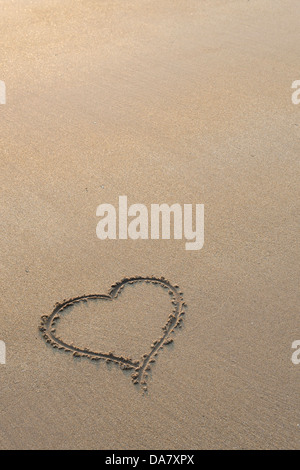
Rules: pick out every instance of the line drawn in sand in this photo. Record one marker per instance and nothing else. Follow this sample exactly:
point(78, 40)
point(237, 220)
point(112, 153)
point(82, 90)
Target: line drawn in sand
point(140, 367)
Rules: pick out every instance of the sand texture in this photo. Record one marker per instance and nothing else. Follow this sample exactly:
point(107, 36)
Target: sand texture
point(174, 101)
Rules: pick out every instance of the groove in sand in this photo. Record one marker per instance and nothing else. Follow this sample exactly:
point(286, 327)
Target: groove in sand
point(141, 366)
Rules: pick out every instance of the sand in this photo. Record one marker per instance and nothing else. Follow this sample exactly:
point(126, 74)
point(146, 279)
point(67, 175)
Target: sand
point(165, 102)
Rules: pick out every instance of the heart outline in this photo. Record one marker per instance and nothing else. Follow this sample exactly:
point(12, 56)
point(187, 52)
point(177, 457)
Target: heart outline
point(174, 320)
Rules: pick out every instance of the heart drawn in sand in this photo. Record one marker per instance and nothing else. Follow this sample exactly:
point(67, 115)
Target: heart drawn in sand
point(142, 366)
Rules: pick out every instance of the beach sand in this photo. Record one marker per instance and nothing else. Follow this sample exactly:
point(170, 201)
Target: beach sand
point(165, 102)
